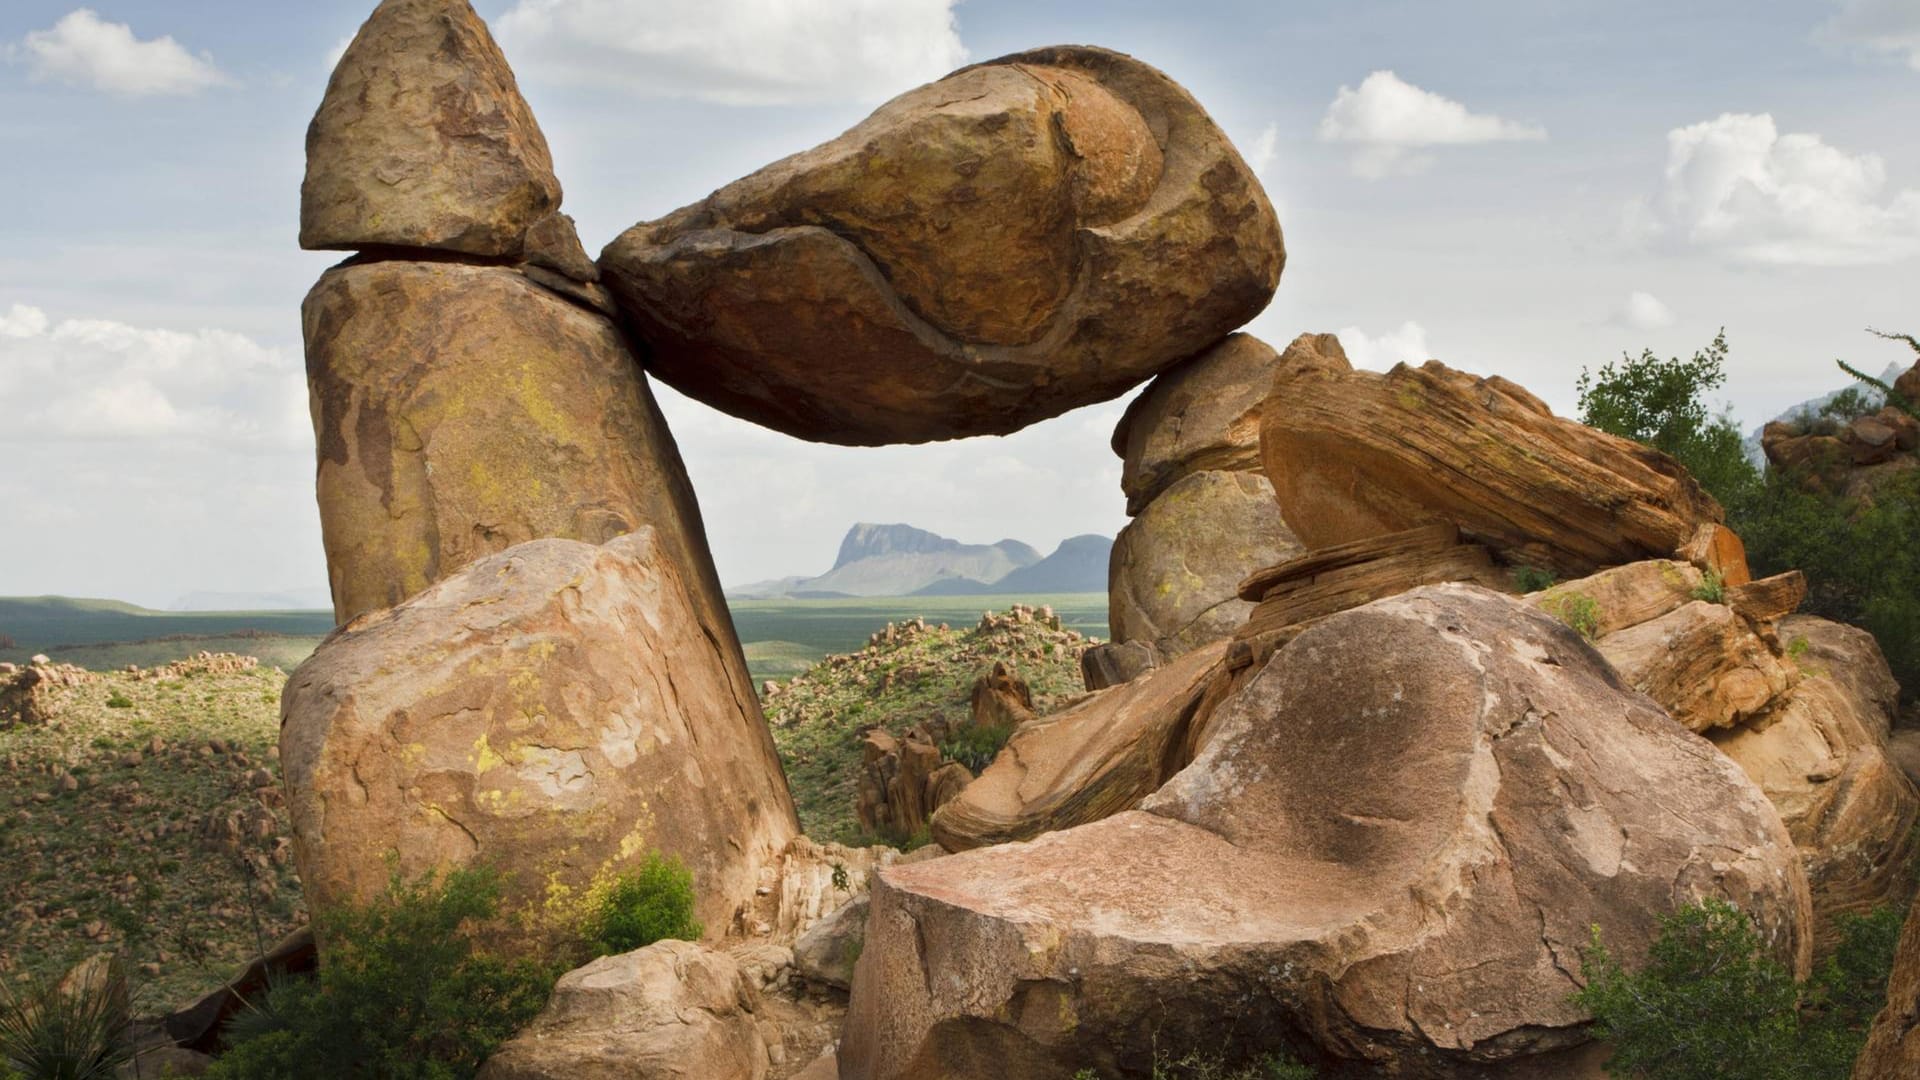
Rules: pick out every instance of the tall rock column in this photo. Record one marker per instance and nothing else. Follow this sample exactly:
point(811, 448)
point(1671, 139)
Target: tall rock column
point(1203, 511)
point(470, 393)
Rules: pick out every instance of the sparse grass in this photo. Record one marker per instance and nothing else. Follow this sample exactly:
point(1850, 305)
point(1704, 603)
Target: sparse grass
point(117, 863)
point(1712, 589)
point(975, 746)
point(1580, 612)
point(1197, 1066)
point(818, 717)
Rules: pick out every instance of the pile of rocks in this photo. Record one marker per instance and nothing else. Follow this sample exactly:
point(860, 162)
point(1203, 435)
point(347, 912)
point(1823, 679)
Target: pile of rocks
point(35, 693)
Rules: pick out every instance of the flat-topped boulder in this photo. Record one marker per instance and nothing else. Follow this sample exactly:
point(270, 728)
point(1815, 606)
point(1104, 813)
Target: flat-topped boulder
point(423, 141)
point(1020, 238)
point(557, 710)
point(1390, 849)
point(1353, 454)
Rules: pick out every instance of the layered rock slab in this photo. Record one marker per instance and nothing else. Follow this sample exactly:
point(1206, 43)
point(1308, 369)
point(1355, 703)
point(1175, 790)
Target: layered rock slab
point(1354, 454)
point(423, 141)
point(1389, 851)
point(1022, 237)
point(556, 710)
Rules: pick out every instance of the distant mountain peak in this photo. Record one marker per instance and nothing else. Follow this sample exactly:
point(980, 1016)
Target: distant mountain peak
point(866, 540)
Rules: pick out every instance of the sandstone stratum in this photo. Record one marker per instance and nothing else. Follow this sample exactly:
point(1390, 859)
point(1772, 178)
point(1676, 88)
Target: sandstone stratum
point(1339, 790)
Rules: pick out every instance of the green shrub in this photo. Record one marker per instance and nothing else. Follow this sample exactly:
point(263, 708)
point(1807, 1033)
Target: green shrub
point(976, 745)
point(405, 992)
point(1712, 1004)
point(1712, 589)
point(118, 700)
point(640, 907)
point(1195, 1066)
point(81, 1034)
point(1580, 612)
point(1532, 579)
point(1662, 403)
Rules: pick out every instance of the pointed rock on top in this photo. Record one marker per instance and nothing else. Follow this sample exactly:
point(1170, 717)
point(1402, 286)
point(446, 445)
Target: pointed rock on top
point(424, 141)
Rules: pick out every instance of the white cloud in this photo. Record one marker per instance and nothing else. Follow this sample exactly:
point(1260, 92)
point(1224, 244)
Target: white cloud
point(90, 380)
point(1264, 148)
point(1389, 120)
point(1734, 184)
point(1891, 26)
point(1643, 311)
point(84, 49)
point(1407, 345)
point(737, 52)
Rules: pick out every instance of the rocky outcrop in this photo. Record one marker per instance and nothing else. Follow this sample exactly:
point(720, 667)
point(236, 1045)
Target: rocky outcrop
point(1703, 663)
point(556, 710)
point(35, 693)
point(674, 1010)
point(423, 141)
point(1112, 663)
point(1022, 237)
point(1176, 568)
point(826, 953)
point(904, 780)
point(1203, 512)
point(1355, 454)
point(1821, 757)
point(1392, 846)
point(1001, 699)
point(1085, 762)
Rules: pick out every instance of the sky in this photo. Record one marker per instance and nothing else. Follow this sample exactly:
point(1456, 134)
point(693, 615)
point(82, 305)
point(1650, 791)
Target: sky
point(1515, 188)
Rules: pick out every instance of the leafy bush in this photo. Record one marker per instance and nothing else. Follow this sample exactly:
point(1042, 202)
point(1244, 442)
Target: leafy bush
point(80, 1033)
point(1204, 1067)
point(640, 907)
point(405, 992)
point(1580, 612)
point(976, 745)
point(1661, 403)
point(1712, 589)
point(1712, 1004)
point(118, 700)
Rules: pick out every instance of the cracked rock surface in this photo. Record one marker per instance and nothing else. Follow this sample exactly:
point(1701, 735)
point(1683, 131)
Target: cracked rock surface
point(1386, 856)
point(555, 710)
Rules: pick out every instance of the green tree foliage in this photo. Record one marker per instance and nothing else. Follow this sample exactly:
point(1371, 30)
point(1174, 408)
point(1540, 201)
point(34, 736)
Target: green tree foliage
point(640, 907)
point(1712, 1004)
point(1663, 403)
point(405, 992)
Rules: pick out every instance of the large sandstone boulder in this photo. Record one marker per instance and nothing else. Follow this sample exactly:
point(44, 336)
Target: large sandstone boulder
point(423, 141)
point(1203, 414)
point(1175, 570)
point(1353, 454)
point(1821, 758)
point(1703, 663)
point(459, 410)
point(674, 1010)
point(557, 710)
point(1392, 846)
point(1022, 237)
point(1093, 759)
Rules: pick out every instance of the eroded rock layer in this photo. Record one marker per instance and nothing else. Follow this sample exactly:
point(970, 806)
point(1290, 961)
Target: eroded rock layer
point(1022, 237)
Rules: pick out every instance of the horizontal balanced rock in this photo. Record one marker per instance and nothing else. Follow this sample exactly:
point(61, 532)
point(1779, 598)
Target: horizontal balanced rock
point(1391, 849)
point(557, 711)
point(423, 141)
point(1353, 454)
point(1020, 238)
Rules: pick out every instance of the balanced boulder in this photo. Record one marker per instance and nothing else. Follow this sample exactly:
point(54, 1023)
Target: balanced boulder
point(1354, 454)
point(423, 141)
point(1201, 415)
point(1392, 847)
point(557, 711)
point(1022, 237)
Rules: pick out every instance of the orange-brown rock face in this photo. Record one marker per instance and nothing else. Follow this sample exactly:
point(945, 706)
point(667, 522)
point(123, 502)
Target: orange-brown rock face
point(1020, 238)
point(1893, 1047)
point(1354, 454)
point(424, 141)
point(555, 710)
point(1375, 853)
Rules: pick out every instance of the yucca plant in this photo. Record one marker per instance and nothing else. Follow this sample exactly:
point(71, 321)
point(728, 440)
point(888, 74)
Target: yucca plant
point(75, 1031)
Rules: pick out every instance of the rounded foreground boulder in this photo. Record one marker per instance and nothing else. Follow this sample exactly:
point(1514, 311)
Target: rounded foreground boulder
point(1385, 857)
point(557, 711)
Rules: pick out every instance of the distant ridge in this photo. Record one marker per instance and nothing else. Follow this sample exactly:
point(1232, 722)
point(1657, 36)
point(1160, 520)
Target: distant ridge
point(901, 560)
